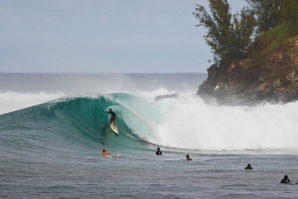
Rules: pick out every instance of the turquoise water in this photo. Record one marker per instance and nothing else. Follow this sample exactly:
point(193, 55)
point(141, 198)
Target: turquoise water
point(52, 150)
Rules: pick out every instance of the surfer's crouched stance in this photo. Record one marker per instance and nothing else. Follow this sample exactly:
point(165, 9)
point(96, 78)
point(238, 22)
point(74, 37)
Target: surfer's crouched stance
point(113, 117)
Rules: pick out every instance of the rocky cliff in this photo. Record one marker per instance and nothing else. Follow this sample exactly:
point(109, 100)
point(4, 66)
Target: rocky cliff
point(271, 77)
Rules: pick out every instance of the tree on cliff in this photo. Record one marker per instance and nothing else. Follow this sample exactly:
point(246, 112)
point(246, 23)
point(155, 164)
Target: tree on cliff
point(268, 13)
point(228, 35)
point(271, 13)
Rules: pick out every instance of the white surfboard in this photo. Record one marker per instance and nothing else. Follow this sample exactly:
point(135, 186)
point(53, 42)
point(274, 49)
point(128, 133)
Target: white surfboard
point(114, 128)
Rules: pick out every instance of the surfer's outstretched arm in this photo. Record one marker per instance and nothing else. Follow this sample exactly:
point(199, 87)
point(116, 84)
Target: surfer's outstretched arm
point(105, 153)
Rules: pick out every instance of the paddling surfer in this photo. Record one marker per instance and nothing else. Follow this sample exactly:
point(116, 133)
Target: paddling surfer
point(105, 153)
point(285, 180)
point(187, 158)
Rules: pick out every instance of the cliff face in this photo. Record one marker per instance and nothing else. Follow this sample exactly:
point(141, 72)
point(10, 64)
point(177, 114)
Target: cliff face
point(272, 78)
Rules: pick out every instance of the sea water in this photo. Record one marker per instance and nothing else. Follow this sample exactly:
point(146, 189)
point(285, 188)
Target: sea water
point(53, 129)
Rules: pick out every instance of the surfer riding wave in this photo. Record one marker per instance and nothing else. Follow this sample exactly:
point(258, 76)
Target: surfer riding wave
point(113, 117)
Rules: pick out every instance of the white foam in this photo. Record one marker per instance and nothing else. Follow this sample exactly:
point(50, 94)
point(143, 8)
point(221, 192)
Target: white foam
point(191, 124)
point(12, 101)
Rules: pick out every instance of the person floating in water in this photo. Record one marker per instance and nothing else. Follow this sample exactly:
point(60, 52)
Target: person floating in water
point(285, 180)
point(248, 166)
point(188, 158)
point(105, 153)
point(158, 152)
point(113, 117)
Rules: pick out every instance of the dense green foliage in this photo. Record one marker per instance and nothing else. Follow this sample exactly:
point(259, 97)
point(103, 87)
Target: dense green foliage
point(289, 15)
point(268, 42)
point(268, 13)
point(271, 13)
point(228, 35)
point(277, 23)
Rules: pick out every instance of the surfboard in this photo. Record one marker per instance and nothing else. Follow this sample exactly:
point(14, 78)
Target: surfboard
point(114, 128)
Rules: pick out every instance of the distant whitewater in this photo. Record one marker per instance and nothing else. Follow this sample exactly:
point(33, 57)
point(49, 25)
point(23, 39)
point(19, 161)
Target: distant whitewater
point(19, 91)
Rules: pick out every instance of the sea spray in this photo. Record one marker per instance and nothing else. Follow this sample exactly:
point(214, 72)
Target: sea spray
point(192, 124)
point(138, 115)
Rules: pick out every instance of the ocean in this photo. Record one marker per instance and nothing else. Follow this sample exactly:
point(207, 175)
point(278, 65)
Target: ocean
point(53, 128)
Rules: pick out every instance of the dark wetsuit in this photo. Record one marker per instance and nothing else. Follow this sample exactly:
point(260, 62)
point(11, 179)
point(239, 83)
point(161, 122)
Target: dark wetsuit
point(248, 167)
point(113, 116)
point(285, 181)
point(158, 153)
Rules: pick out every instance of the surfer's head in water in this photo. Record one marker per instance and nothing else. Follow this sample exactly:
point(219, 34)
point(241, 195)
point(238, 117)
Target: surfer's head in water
point(188, 158)
point(248, 166)
point(158, 152)
point(285, 180)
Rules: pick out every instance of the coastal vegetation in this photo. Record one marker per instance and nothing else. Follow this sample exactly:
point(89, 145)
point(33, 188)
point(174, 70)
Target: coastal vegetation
point(227, 35)
point(255, 51)
point(235, 36)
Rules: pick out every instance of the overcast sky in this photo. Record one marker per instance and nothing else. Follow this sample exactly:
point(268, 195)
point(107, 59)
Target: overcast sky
point(95, 36)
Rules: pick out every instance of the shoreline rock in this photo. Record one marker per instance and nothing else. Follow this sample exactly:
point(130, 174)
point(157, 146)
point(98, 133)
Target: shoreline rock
point(250, 82)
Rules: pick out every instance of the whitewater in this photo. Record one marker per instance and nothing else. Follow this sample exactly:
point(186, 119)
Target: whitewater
point(53, 128)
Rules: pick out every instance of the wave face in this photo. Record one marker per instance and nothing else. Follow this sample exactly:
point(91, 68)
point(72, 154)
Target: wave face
point(82, 121)
point(186, 123)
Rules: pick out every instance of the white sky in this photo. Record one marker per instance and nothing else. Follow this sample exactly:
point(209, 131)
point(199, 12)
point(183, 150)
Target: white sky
point(130, 36)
